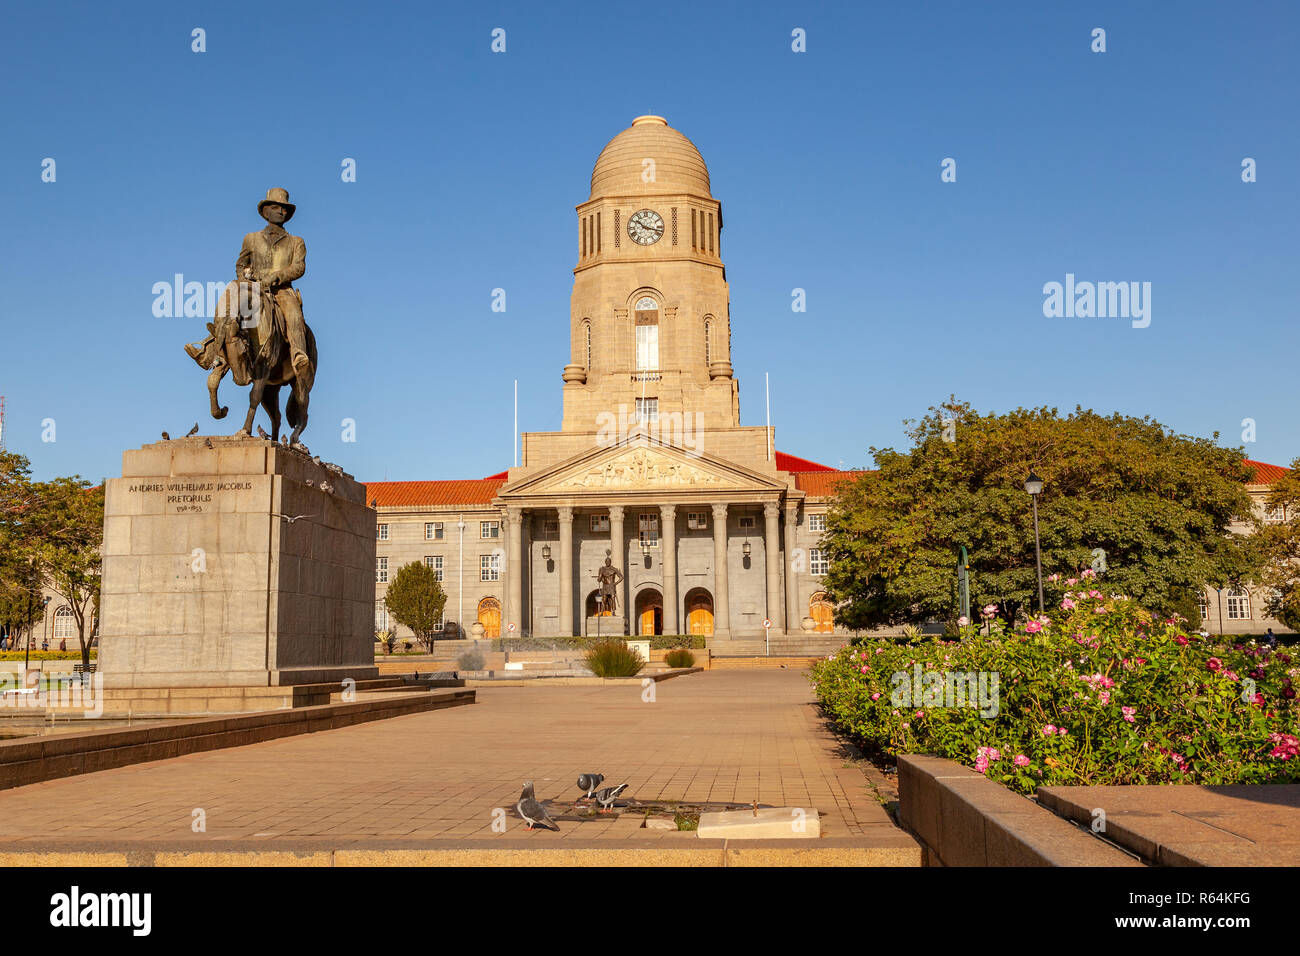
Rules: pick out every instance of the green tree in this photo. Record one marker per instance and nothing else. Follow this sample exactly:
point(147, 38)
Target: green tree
point(1279, 546)
point(69, 548)
point(416, 599)
point(1155, 503)
point(20, 576)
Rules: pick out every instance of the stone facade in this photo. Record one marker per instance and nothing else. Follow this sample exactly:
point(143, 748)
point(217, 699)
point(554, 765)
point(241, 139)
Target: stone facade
point(227, 563)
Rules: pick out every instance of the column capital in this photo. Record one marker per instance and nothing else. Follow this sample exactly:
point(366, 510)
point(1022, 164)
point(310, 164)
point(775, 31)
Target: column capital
point(514, 513)
point(771, 509)
point(720, 511)
point(668, 512)
point(616, 512)
point(791, 513)
point(566, 515)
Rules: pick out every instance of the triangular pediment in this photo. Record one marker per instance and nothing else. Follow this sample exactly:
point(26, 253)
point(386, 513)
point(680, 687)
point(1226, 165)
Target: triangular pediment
point(642, 466)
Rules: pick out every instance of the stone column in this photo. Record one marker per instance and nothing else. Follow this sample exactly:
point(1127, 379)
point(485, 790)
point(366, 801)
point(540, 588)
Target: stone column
point(771, 546)
point(514, 567)
point(564, 565)
point(721, 598)
point(503, 569)
point(668, 544)
point(792, 609)
point(618, 554)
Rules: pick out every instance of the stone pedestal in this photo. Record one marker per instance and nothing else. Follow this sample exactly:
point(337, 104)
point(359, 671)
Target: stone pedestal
point(611, 625)
point(206, 583)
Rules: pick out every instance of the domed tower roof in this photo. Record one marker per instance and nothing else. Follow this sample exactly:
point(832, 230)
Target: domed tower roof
point(679, 167)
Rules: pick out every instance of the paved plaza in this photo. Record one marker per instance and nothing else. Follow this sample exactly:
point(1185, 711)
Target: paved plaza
point(716, 737)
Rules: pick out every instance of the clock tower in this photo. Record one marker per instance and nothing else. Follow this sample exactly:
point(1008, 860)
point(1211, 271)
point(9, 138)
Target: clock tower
point(650, 322)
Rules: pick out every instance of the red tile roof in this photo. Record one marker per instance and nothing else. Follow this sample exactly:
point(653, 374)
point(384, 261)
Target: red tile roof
point(1265, 474)
point(398, 494)
point(821, 484)
point(786, 462)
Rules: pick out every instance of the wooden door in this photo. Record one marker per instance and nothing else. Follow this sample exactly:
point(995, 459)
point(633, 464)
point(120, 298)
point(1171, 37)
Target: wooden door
point(489, 615)
point(822, 613)
point(699, 615)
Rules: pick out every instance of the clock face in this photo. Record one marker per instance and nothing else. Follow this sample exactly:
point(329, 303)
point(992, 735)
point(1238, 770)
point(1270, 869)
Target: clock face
point(645, 227)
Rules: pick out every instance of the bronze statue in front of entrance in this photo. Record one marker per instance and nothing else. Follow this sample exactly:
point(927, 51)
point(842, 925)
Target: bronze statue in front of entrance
point(609, 578)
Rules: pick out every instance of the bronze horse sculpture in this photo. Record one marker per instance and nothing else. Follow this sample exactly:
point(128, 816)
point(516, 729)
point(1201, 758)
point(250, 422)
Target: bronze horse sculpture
point(248, 340)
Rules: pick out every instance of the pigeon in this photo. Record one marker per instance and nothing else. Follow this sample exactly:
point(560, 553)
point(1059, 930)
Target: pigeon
point(261, 432)
point(285, 441)
point(193, 431)
point(166, 437)
point(308, 482)
point(326, 487)
point(207, 442)
point(294, 518)
point(533, 812)
point(315, 460)
point(607, 797)
point(588, 783)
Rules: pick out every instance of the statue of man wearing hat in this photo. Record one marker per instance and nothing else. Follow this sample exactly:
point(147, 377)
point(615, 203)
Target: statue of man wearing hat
point(273, 258)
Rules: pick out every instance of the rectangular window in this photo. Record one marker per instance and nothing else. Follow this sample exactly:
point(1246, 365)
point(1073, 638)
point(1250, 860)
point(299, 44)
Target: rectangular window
point(435, 561)
point(693, 243)
point(489, 566)
point(600, 523)
point(489, 529)
point(1274, 514)
point(648, 528)
point(1238, 606)
point(433, 531)
point(381, 616)
point(1203, 605)
point(381, 532)
point(647, 347)
point(647, 410)
point(710, 233)
point(697, 520)
point(597, 232)
point(381, 570)
point(817, 522)
point(817, 563)
point(745, 522)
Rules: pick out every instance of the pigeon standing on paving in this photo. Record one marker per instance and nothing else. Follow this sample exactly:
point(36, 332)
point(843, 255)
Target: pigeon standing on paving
point(261, 432)
point(193, 431)
point(588, 782)
point(607, 797)
point(533, 812)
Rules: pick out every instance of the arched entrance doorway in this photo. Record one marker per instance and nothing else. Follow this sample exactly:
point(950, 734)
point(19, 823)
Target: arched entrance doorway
point(650, 612)
point(699, 612)
point(593, 606)
point(822, 612)
point(489, 615)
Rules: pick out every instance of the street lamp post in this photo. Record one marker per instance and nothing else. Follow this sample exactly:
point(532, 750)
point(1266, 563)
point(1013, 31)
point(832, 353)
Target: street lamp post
point(1034, 485)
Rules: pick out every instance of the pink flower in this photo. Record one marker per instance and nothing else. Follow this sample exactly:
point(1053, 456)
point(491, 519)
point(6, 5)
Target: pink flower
point(1214, 664)
point(981, 763)
point(864, 669)
point(1095, 595)
point(1259, 700)
point(906, 725)
point(1054, 577)
point(1021, 760)
point(1181, 640)
point(1072, 581)
point(1048, 730)
point(1033, 627)
point(1104, 696)
point(919, 713)
point(1067, 605)
point(1128, 713)
point(1088, 573)
point(1062, 732)
point(990, 610)
point(875, 696)
point(963, 621)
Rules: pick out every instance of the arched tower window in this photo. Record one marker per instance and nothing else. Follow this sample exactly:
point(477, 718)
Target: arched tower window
point(586, 341)
point(647, 334)
point(708, 340)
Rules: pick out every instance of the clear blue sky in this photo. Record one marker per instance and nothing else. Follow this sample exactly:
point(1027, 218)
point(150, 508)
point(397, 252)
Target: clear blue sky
point(1122, 166)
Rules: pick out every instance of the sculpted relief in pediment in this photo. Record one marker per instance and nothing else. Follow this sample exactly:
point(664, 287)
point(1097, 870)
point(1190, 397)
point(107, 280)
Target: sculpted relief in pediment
point(641, 468)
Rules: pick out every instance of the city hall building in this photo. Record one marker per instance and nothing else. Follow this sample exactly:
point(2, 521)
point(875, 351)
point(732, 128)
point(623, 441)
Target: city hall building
point(712, 531)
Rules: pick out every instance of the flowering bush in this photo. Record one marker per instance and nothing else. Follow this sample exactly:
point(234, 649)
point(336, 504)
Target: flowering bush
point(1098, 692)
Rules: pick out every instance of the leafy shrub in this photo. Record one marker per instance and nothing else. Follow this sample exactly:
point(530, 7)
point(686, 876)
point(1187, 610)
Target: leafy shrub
point(471, 660)
point(39, 655)
point(679, 658)
point(613, 659)
point(1101, 692)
